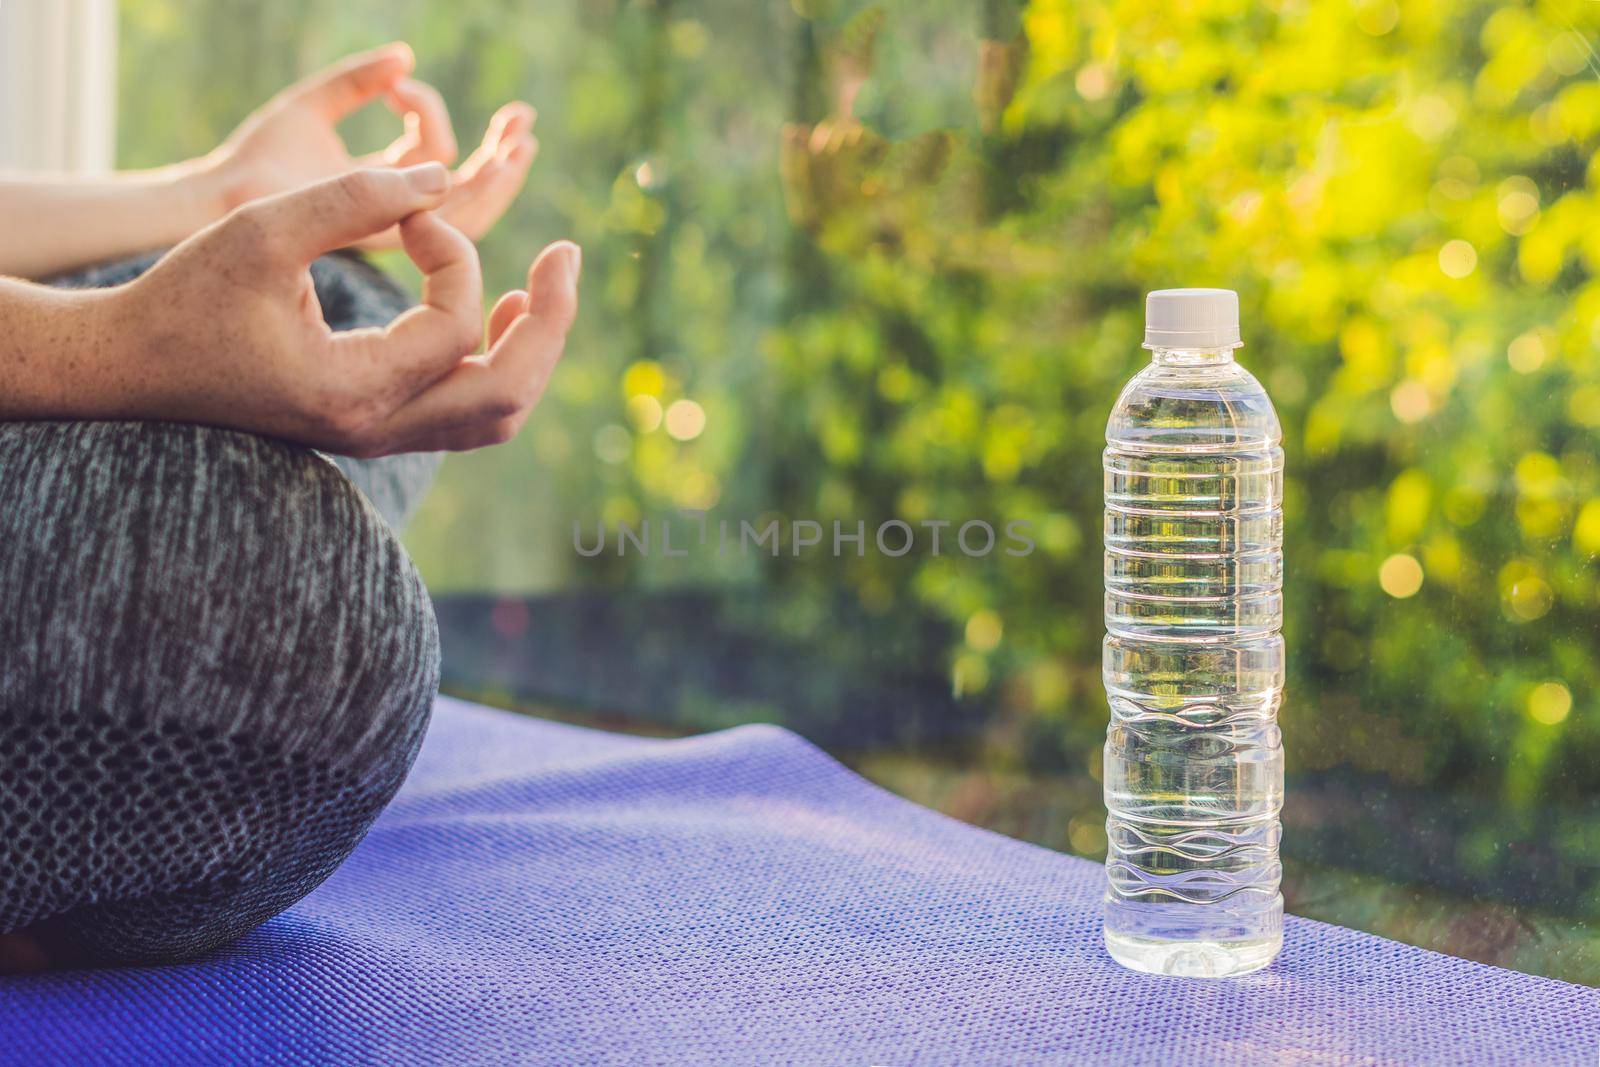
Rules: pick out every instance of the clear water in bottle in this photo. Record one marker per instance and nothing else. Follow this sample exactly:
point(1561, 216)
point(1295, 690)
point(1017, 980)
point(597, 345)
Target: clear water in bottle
point(1193, 661)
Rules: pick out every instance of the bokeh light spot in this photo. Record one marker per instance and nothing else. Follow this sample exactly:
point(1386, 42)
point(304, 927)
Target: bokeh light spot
point(1432, 117)
point(697, 489)
point(1400, 576)
point(1530, 598)
point(644, 411)
point(1093, 81)
point(685, 420)
point(1410, 401)
point(1526, 354)
point(1538, 474)
point(1517, 205)
point(1549, 703)
point(984, 631)
point(644, 378)
point(1458, 258)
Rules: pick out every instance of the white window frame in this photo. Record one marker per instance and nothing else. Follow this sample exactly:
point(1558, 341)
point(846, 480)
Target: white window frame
point(58, 85)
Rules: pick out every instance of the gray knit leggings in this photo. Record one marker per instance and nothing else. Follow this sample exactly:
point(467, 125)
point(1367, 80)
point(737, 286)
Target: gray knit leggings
point(216, 665)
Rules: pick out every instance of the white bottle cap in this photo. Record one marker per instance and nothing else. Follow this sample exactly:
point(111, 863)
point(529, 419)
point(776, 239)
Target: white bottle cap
point(1191, 318)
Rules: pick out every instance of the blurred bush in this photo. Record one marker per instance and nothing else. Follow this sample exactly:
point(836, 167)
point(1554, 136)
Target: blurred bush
point(861, 261)
point(1405, 197)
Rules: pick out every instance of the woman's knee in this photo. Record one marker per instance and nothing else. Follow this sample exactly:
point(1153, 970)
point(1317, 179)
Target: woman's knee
point(182, 570)
point(219, 626)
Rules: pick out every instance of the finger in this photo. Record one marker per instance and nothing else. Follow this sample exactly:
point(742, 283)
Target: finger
point(427, 341)
point(428, 135)
point(507, 308)
point(553, 286)
point(341, 211)
point(355, 81)
point(485, 401)
point(479, 199)
point(512, 120)
point(483, 189)
point(509, 125)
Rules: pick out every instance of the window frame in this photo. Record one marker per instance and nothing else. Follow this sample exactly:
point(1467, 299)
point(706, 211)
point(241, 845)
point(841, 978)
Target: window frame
point(58, 80)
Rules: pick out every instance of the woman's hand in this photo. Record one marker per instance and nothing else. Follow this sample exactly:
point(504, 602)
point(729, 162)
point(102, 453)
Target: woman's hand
point(52, 223)
point(293, 140)
point(226, 330)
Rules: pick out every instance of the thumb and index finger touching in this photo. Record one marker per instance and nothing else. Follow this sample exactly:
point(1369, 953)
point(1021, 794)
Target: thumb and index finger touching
point(356, 81)
point(427, 342)
point(340, 211)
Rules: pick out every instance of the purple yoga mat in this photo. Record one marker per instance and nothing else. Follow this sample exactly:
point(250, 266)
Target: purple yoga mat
point(544, 894)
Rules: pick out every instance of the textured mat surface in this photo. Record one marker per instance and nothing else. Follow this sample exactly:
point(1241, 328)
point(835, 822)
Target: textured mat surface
point(545, 894)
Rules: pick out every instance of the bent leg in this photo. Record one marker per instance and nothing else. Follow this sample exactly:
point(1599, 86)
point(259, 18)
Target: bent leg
point(353, 294)
point(217, 667)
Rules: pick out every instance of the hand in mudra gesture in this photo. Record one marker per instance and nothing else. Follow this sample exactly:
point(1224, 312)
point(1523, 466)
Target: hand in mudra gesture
point(226, 329)
point(293, 140)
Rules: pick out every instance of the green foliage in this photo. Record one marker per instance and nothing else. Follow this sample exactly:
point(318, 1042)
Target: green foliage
point(896, 252)
point(1405, 197)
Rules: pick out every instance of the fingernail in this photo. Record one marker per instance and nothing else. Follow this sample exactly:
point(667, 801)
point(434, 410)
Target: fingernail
point(428, 178)
point(574, 257)
point(403, 51)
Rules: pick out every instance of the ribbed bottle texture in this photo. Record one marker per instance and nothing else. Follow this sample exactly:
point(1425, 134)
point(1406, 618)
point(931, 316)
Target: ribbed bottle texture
point(1194, 668)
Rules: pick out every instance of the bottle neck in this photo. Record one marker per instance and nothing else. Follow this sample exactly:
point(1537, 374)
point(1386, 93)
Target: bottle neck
point(1191, 357)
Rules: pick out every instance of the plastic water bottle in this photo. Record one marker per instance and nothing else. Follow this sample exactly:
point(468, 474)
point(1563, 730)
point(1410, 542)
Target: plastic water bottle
point(1193, 660)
